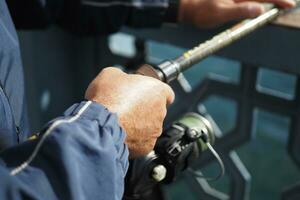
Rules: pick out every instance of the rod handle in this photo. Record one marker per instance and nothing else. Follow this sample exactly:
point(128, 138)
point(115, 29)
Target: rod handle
point(148, 70)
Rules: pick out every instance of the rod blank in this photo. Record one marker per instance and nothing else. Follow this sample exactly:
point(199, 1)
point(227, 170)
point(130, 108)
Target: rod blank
point(170, 70)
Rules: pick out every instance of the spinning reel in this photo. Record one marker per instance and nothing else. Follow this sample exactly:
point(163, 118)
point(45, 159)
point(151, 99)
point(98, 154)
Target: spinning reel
point(180, 144)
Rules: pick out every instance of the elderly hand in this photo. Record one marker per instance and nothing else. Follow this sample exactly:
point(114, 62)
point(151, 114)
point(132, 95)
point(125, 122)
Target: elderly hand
point(139, 101)
point(212, 13)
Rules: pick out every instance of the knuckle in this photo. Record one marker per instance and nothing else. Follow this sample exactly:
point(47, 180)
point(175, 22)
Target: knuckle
point(157, 131)
point(150, 146)
point(147, 148)
point(107, 69)
point(111, 70)
point(162, 114)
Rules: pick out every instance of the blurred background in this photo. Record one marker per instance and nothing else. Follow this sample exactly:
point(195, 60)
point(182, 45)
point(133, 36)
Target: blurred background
point(260, 130)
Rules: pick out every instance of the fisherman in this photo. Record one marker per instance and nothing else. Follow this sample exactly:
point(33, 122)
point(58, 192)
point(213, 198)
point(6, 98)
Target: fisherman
point(83, 154)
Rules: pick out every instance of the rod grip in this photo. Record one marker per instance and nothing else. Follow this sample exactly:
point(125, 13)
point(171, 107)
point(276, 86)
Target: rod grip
point(148, 70)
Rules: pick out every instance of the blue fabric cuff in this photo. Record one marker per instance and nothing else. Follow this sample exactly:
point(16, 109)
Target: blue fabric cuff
point(107, 121)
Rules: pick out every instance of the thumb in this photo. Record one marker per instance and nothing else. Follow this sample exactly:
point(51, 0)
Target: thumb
point(244, 10)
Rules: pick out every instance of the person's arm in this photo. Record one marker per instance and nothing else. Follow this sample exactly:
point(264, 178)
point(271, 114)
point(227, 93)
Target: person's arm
point(213, 13)
point(108, 16)
point(91, 17)
point(83, 154)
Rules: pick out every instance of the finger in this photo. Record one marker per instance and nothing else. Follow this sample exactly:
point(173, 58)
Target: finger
point(243, 10)
point(281, 3)
point(157, 132)
point(170, 95)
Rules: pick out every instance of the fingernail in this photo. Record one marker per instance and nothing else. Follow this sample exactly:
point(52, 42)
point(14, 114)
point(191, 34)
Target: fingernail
point(255, 10)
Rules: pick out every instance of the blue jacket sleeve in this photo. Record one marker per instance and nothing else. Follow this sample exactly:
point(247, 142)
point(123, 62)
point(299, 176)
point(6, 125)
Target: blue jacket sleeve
point(81, 155)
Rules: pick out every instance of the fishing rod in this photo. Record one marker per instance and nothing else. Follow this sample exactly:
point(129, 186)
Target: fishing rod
point(170, 70)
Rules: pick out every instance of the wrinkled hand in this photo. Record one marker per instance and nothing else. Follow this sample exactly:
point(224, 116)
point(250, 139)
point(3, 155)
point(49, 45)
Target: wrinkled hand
point(212, 13)
point(140, 103)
